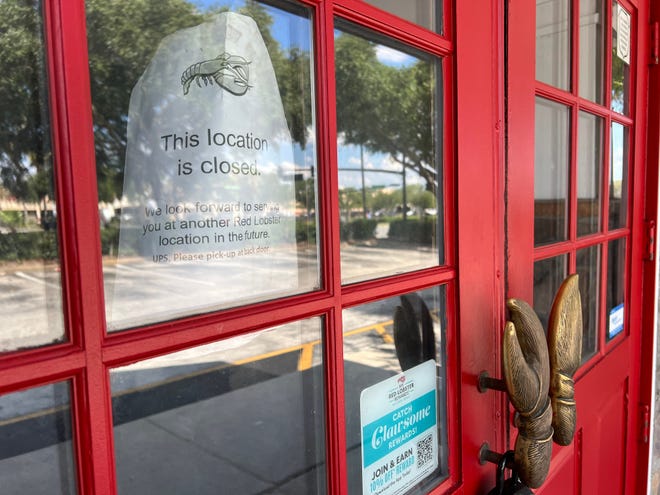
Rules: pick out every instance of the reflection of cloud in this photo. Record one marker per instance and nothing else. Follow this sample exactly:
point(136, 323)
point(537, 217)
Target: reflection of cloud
point(390, 56)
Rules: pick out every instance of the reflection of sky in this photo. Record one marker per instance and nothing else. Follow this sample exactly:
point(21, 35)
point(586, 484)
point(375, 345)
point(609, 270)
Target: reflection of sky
point(394, 58)
point(617, 151)
point(290, 31)
point(389, 56)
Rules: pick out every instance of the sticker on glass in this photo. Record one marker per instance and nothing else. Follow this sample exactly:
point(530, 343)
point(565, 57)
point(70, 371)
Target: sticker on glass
point(209, 188)
point(623, 34)
point(399, 428)
point(616, 321)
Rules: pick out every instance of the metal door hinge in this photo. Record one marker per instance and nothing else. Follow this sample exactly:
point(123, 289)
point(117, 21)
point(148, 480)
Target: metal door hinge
point(655, 43)
point(645, 423)
point(650, 240)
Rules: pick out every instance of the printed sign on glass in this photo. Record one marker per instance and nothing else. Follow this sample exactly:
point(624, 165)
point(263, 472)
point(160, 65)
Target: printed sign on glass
point(208, 173)
point(399, 427)
point(616, 321)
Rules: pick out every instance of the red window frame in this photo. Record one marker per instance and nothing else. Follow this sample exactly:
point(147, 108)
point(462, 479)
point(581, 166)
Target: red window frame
point(89, 353)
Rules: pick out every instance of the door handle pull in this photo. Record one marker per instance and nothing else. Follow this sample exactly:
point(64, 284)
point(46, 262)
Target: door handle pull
point(526, 367)
point(565, 349)
point(538, 378)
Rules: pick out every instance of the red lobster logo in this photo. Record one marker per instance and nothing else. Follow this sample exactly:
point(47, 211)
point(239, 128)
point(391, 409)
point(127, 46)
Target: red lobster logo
point(402, 380)
point(230, 72)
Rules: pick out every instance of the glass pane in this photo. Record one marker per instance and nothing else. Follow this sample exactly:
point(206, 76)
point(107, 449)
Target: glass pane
point(588, 269)
point(548, 276)
point(592, 59)
point(551, 158)
point(616, 285)
point(426, 13)
point(390, 184)
point(589, 170)
point(36, 453)
point(553, 58)
point(621, 48)
point(395, 378)
point(30, 294)
point(619, 176)
point(204, 209)
point(244, 415)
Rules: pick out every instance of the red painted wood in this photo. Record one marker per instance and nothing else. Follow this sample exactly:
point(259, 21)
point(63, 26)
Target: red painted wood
point(480, 211)
point(649, 318)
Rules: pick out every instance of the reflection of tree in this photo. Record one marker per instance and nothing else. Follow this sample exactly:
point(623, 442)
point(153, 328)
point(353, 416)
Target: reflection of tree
point(386, 109)
point(122, 37)
point(619, 82)
point(25, 157)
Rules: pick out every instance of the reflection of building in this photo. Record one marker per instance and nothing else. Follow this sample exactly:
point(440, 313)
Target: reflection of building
point(442, 159)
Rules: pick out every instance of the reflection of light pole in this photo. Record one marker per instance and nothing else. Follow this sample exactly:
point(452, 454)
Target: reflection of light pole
point(364, 192)
point(405, 196)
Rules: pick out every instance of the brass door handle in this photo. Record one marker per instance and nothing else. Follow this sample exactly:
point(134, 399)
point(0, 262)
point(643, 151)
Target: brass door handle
point(538, 377)
point(565, 349)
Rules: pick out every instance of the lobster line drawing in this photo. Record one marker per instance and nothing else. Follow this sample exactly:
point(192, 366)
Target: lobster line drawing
point(230, 72)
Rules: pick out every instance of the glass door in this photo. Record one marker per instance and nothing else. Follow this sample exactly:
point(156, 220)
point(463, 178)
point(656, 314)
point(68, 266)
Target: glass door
point(577, 92)
point(231, 244)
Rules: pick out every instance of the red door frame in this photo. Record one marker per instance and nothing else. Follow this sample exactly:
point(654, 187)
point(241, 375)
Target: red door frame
point(89, 353)
point(640, 295)
point(480, 213)
point(649, 275)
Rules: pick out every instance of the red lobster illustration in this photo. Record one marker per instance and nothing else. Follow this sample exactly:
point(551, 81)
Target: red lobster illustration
point(230, 72)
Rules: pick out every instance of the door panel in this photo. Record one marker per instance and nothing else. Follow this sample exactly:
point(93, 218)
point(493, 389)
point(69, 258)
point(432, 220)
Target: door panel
point(586, 119)
point(602, 396)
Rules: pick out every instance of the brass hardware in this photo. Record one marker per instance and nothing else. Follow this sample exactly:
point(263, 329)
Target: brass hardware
point(526, 368)
point(538, 377)
point(565, 349)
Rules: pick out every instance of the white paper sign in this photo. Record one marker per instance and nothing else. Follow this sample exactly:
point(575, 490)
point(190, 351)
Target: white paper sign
point(399, 428)
point(623, 34)
point(209, 170)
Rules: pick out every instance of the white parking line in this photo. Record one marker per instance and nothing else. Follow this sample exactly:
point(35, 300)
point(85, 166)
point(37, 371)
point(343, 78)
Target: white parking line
point(25, 276)
point(165, 275)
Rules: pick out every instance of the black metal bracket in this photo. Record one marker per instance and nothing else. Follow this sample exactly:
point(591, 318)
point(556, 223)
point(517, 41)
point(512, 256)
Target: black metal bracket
point(487, 383)
point(489, 456)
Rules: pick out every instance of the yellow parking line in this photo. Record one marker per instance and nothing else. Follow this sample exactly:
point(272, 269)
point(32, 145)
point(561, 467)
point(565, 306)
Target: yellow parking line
point(305, 361)
point(380, 328)
point(306, 355)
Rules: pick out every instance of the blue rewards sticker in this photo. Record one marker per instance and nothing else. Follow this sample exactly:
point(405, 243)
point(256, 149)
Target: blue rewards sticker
point(399, 428)
point(616, 321)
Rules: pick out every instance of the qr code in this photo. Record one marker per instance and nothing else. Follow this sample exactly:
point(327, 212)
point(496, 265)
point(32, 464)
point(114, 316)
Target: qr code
point(425, 450)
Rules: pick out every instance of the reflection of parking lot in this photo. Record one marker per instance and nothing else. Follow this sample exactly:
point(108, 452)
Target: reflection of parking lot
point(160, 401)
point(31, 304)
point(30, 295)
point(250, 407)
